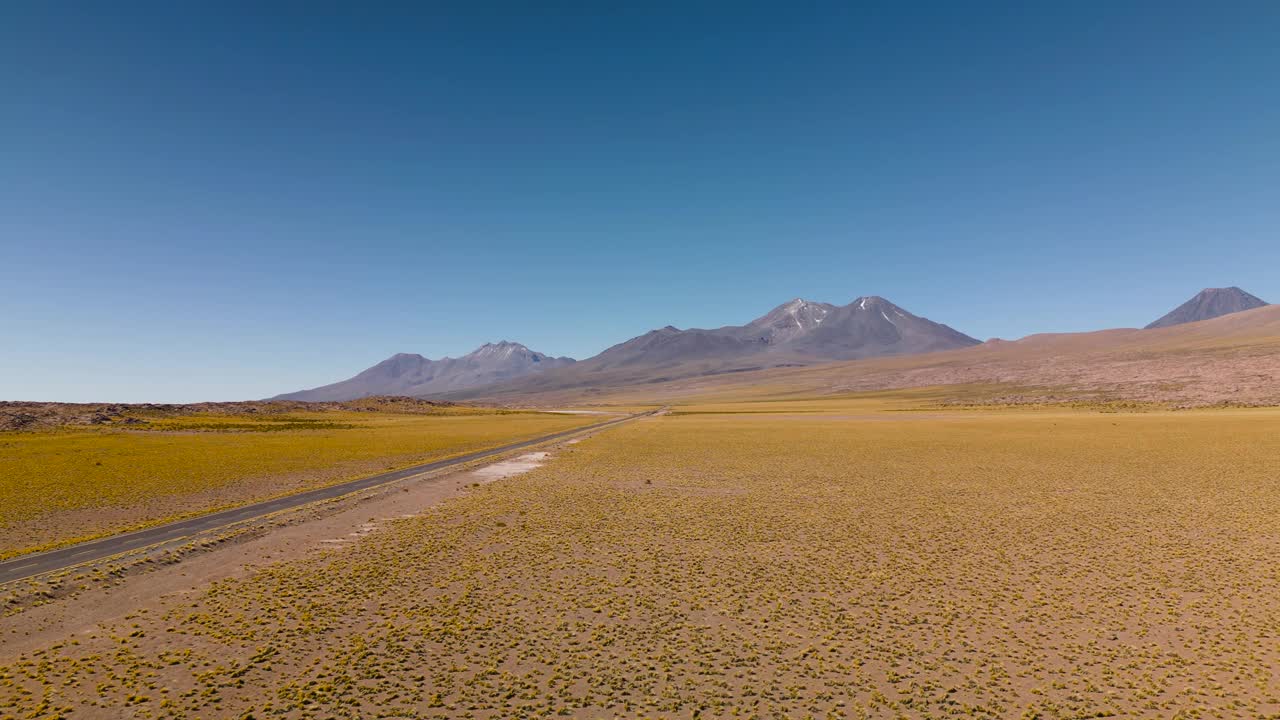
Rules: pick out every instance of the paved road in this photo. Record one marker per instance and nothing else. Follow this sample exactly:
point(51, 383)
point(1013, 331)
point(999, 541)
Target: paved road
point(26, 566)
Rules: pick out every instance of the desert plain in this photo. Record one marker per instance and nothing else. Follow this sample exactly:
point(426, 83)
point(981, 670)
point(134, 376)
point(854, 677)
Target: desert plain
point(862, 555)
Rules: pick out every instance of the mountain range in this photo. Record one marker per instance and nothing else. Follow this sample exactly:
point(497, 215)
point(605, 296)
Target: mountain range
point(800, 329)
point(416, 376)
point(798, 333)
point(1231, 359)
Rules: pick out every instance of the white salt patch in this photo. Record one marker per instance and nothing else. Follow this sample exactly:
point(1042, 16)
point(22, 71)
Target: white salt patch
point(507, 468)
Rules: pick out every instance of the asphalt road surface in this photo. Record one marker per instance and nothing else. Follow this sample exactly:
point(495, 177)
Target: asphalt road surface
point(25, 566)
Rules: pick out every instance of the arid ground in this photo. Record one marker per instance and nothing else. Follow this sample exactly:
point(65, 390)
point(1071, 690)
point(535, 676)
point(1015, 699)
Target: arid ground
point(76, 472)
point(813, 558)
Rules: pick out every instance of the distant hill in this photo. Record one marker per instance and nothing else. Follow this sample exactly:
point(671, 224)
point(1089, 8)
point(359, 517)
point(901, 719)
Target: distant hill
point(798, 332)
point(1208, 304)
point(1234, 358)
point(416, 376)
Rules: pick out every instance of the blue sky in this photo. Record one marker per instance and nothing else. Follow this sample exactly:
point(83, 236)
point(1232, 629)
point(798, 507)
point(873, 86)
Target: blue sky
point(229, 200)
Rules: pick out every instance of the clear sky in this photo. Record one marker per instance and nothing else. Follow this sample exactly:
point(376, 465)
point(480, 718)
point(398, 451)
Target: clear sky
point(227, 200)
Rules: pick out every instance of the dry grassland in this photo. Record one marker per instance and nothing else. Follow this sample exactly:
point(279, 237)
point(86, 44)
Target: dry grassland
point(64, 485)
point(829, 560)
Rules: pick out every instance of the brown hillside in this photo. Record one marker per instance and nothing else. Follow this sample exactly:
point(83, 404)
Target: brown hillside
point(1231, 359)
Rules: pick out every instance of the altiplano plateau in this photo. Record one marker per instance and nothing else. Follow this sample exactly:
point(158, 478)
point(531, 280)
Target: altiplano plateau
point(639, 361)
point(929, 535)
point(823, 558)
